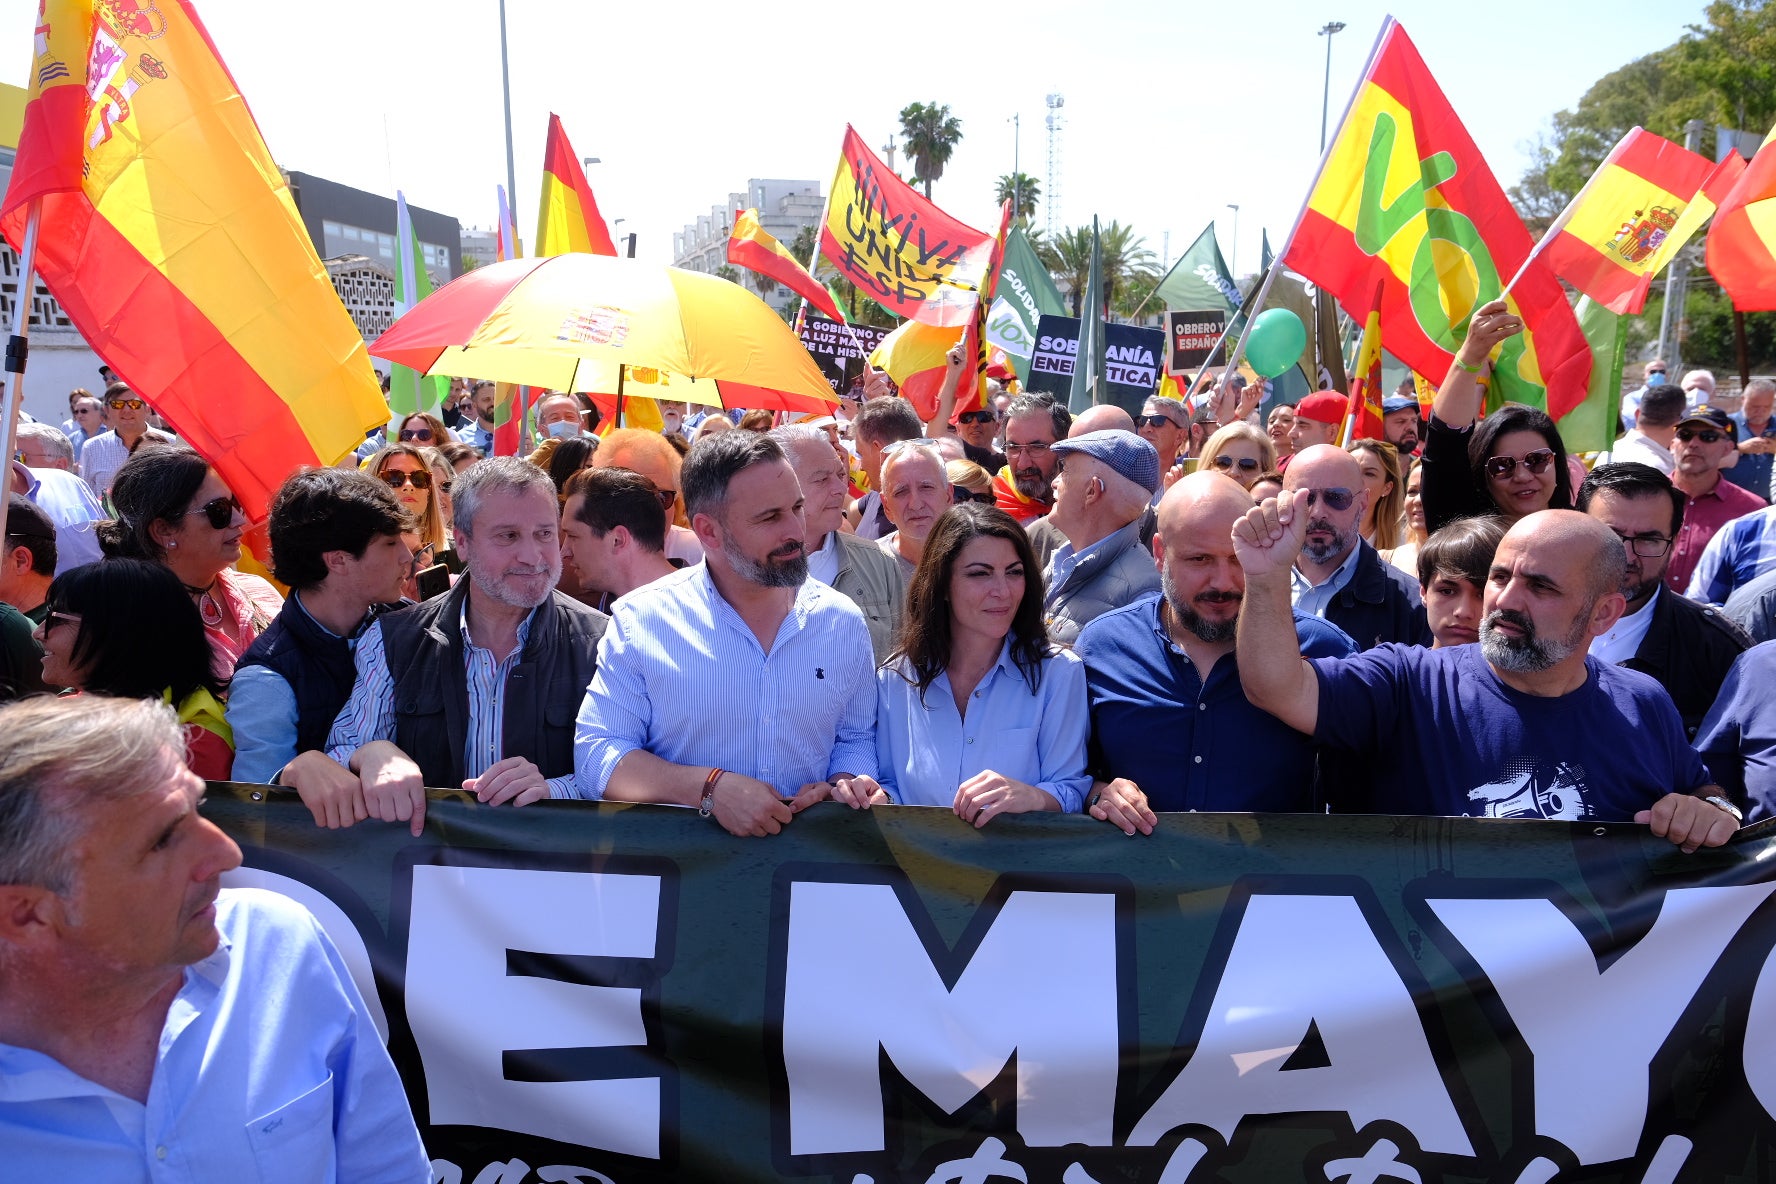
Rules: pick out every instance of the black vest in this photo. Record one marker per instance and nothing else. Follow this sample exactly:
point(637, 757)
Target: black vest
point(543, 691)
point(316, 664)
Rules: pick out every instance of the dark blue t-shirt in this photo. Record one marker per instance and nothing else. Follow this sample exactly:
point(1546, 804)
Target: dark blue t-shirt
point(1191, 746)
point(1441, 734)
point(1738, 737)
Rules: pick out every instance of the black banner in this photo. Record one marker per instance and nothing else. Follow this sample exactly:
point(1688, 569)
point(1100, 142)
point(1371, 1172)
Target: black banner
point(1133, 357)
point(580, 992)
point(834, 350)
point(1191, 337)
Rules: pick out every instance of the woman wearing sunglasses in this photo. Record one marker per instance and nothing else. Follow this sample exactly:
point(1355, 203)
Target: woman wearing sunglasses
point(424, 431)
point(172, 509)
point(1512, 463)
point(158, 649)
point(406, 470)
point(1239, 450)
point(1381, 477)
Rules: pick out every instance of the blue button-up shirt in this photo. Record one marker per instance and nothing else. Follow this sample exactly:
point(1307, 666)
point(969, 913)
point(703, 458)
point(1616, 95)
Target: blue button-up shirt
point(681, 676)
point(1312, 599)
point(1740, 551)
point(1752, 470)
point(74, 509)
point(268, 1069)
point(925, 748)
point(1190, 744)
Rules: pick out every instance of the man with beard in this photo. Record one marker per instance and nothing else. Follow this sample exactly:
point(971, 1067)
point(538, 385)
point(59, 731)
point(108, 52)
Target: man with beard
point(1339, 576)
point(1171, 728)
point(1687, 646)
point(1402, 423)
point(1524, 725)
point(737, 683)
point(1024, 488)
point(474, 689)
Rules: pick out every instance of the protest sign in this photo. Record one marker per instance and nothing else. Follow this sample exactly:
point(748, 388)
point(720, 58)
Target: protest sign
point(1025, 293)
point(1132, 361)
point(835, 348)
point(627, 993)
point(1191, 336)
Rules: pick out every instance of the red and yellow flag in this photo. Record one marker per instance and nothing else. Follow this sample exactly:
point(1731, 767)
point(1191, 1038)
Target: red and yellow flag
point(568, 218)
point(897, 247)
point(1742, 243)
point(913, 356)
point(1405, 200)
point(168, 235)
point(1623, 226)
point(1363, 419)
point(750, 247)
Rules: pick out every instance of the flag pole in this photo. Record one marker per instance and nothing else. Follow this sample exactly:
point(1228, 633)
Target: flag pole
point(18, 342)
point(814, 261)
point(506, 90)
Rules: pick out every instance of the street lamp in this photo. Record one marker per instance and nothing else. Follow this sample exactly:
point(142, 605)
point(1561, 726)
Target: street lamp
point(1326, 96)
point(1234, 264)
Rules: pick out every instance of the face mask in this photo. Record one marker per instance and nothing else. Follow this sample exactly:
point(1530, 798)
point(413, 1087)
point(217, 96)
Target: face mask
point(562, 429)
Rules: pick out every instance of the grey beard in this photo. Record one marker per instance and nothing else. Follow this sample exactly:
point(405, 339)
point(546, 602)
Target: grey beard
point(768, 573)
point(1528, 654)
point(1325, 552)
point(496, 592)
point(1034, 487)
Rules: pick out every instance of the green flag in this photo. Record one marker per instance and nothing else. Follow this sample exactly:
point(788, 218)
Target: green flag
point(1594, 424)
point(1088, 363)
point(1199, 279)
point(1025, 292)
point(1264, 255)
point(409, 391)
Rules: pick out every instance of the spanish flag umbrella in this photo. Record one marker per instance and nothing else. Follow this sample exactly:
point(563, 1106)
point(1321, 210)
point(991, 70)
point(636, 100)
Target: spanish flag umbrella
point(593, 323)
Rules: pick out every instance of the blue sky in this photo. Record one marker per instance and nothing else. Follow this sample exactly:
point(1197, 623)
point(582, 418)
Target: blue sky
point(1173, 110)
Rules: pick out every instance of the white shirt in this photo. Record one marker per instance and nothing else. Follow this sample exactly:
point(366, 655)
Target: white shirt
point(1623, 641)
point(1635, 446)
point(823, 565)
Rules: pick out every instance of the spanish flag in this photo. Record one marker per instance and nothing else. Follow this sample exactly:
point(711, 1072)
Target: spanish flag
point(1623, 226)
point(1742, 242)
point(750, 247)
point(1363, 419)
point(568, 219)
point(913, 356)
point(168, 235)
point(1405, 199)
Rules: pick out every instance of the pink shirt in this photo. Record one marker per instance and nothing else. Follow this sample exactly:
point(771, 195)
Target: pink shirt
point(1703, 517)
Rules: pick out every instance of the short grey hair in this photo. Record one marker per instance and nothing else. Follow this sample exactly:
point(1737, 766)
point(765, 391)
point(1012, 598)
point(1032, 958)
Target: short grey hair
point(496, 474)
point(1762, 386)
point(60, 760)
point(52, 439)
point(790, 435)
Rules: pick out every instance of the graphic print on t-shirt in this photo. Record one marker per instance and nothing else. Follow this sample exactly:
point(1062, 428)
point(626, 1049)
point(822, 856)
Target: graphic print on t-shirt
point(1530, 788)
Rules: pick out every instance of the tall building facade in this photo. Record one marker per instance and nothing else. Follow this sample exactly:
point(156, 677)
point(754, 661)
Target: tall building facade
point(784, 209)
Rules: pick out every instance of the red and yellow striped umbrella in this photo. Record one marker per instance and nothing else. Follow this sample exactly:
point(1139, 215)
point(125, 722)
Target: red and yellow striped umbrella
point(587, 323)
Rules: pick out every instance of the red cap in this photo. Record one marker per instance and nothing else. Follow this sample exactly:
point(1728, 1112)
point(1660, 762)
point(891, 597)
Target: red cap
point(1324, 407)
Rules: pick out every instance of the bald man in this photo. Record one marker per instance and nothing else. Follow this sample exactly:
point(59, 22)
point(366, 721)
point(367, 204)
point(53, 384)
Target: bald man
point(1045, 536)
point(1099, 418)
point(1523, 725)
point(1338, 575)
point(1171, 727)
point(654, 457)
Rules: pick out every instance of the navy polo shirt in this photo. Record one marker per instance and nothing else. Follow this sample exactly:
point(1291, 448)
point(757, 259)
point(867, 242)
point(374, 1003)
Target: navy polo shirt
point(1187, 744)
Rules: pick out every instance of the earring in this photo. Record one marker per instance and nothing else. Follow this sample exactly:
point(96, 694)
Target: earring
point(172, 543)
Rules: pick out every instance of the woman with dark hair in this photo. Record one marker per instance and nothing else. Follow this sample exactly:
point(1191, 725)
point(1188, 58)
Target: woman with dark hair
point(1513, 463)
point(157, 649)
point(172, 509)
point(562, 458)
point(975, 709)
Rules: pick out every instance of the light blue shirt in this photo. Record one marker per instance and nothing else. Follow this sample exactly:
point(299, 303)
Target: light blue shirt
point(370, 712)
point(1314, 599)
point(74, 509)
point(926, 749)
point(681, 676)
point(268, 1069)
point(263, 714)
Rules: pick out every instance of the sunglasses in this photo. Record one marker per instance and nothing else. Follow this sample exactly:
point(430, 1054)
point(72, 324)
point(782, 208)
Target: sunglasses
point(1246, 464)
point(667, 497)
point(219, 510)
point(83, 411)
point(1156, 421)
point(1337, 500)
point(1500, 468)
point(978, 417)
point(132, 404)
point(1706, 436)
point(960, 496)
point(395, 478)
point(423, 435)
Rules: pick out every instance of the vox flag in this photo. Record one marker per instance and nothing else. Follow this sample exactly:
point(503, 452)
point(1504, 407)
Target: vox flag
point(409, 390)
point(897, 247)
point(1405, 200)
point(568, 217)
point(750, 247)
point(168, 235)
point(1742, 243)
point(1023, 293)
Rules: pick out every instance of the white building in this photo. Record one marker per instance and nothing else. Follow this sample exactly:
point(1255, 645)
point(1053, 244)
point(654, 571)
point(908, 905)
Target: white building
point(784, 209)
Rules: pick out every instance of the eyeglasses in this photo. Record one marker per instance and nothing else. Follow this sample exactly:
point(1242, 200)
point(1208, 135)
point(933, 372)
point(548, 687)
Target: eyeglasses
point(961, 496)
point(83, 410)
point(219, 510)
point(1647, 546)
point(1707, 436)
point(1031, 449)
point(132, 404)
point(1156, 421)
point(1246, 464)
point(978, 417)
point(1337, 500)
point(395, 478)
point(667, 497)
point(423, 435)
point(1500, 468)
point(1653, 373)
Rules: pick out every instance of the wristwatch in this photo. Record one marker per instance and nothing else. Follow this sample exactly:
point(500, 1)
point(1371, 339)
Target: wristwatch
point(1715, 799)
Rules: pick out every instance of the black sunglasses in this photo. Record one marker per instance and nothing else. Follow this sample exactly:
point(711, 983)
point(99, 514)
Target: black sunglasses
point(1156, 421)
point(219, 510)
point(667, 497)
point(421, 434)
point(978, 417)
point(1501, 467)
point(1337, 500)
point(395, 478)
point(961, 496)
point(1246, 464)
point(1706, 435)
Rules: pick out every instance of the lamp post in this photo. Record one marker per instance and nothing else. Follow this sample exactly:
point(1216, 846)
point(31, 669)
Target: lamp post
point(506, 90)
point(1331, 27)
point(1017, 177)
point(1234, 263)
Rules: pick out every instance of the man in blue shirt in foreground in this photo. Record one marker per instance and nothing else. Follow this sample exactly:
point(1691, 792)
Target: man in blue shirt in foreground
point(1525, 724)
point(153, 1025)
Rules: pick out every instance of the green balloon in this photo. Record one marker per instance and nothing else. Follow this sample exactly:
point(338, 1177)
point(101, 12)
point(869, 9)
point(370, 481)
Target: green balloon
point(1276, 342)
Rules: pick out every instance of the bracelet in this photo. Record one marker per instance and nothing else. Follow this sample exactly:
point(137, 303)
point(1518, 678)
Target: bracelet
point(1461, 365)
point(708, 803)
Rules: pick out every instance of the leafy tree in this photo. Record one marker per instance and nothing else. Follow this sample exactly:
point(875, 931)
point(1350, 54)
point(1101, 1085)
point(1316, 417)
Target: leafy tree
point(931, 135)
point(1022, 189)
point(1125, 259)
point(858, 307)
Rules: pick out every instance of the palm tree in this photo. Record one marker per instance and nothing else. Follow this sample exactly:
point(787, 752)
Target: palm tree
point(1125, 259)
point(931, 134)
point(1068, 258)
point(1022, 190)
